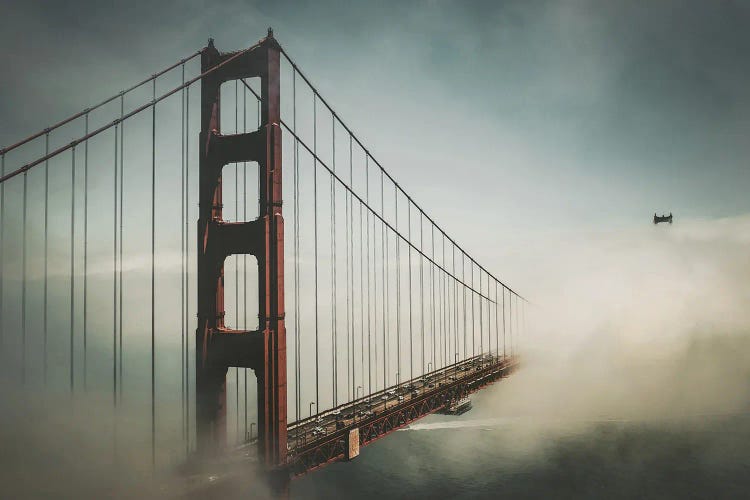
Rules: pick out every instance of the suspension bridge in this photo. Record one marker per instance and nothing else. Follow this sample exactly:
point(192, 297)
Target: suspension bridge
point(346, 318)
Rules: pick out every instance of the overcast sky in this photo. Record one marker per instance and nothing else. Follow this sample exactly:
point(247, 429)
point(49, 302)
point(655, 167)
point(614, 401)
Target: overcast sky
point(505, 120)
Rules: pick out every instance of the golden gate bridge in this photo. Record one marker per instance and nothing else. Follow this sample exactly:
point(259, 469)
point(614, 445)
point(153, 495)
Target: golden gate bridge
point(363, 315)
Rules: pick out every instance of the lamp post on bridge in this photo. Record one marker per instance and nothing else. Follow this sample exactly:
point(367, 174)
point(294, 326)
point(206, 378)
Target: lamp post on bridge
point(356, 395)
point(249, 436)
point(312, 403)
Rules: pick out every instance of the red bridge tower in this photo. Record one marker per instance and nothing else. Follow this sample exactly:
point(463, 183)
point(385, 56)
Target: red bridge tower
point(219, 347)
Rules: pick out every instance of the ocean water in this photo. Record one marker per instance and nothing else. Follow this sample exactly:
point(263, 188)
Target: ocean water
point(478, 455)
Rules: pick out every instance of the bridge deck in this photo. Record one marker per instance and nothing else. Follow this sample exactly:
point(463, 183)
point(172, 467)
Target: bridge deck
point(323, 438)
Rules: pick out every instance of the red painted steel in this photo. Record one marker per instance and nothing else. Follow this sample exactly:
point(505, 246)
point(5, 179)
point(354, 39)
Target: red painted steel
point(218, 346)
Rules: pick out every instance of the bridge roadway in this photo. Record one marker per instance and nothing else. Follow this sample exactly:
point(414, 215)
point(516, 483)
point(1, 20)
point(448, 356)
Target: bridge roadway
point(324, 438)
point(316, 441)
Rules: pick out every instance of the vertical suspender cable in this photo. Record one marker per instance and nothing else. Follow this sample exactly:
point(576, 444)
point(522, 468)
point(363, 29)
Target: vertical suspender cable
point(23, 281)
point(85, 252)
point(443, 313)
point(383, 255)
point(46, 254)
point(440, 303)
point(497, 324)
point(455, 301)
point(120, 243)
point(490, 321)
point(513, 331)
point(315, 224)
point(236, 263)
point(421, 285)
point(452, 298)
point(333, 266)
point(348, 302)
point(72, 259)
point(362, 300)
point(432, 291)
point(398, 291)
point(449, 318)
point(114, 275)
point(375, 297)
point(481, 316)
point(503, 290)
point(187, 267)
point(512, 326)
point(183, 269)
point(510, 321)
point(463, 288)
point(410, 295)
point(489, 316)
point(369, 331)
point(473, 316)
point(297, 309)
point(438, 312)
point(521, 323)
point(517, 330)
point(153, 279)
point(296, 250)
point(447, 309)
point(444, 324)
point(350, 272)
point(351, 263)
point(455, 305)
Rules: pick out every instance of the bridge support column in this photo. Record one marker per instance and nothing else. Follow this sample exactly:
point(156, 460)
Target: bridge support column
point(219, 347)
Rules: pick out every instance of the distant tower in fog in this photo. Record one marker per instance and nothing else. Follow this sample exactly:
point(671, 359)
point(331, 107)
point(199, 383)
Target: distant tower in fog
point(662, 218)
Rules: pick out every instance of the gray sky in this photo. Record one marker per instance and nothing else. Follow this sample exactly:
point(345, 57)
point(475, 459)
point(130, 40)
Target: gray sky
point(503, 119)
point(541, 135)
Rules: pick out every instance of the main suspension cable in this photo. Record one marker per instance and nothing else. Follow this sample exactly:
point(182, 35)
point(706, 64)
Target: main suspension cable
point(93, 133)
point(374, 212)
point(99, 105)
point(318, 96)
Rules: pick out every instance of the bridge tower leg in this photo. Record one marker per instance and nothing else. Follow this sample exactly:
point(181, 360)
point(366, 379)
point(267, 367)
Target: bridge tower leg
point(217, 346)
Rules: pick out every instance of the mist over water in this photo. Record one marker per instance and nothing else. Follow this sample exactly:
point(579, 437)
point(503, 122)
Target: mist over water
point(634, 384)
